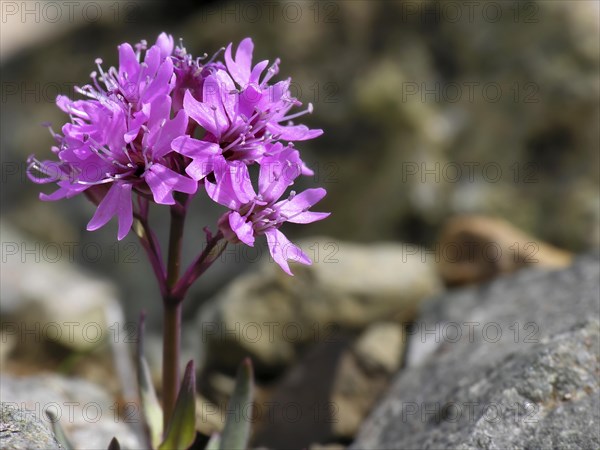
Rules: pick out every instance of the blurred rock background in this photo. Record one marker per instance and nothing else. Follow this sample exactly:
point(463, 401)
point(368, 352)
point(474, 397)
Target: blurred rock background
point(431, 110)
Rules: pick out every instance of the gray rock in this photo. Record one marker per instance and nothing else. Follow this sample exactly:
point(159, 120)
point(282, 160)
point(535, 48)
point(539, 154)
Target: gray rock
point(21, 430)
point(380, 347)
point(301, 411)
point(86, 412)
point(363, 374)
point(269, 315)
point(536, 386)
point(332, 387)
point(55, 298)
point(48, 301)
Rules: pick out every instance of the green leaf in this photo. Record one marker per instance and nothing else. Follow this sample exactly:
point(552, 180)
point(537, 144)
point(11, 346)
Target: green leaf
point(181, 431)
point(59, 433)
point(214, 442)
point(236, 433)
point(114, 444)
point(150, 406)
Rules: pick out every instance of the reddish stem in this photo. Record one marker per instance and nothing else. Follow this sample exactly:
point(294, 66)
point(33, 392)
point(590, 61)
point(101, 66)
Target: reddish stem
point(214, 247)
point(150, 243)
point(174, 288)
point(171, 350)
point(172, 307)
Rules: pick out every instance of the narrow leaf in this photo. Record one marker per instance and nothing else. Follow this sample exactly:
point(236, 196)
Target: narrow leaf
point(59, 433)
point(236, 433)
point(151, 409)
point(214, 442)
point(114, 444)
point(181, 431)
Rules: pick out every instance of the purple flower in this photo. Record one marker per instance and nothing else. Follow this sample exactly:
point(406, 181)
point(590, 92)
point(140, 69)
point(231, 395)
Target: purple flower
point(163, 121)
point(240, 122)
point(136, 82)
point(190, 74)
point(275, 100)
point(119, 141)
point(241, 68)
point(254, 214)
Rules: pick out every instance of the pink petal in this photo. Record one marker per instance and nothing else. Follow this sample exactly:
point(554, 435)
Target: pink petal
point(159, 109)
point(280, 91)
point(135, 123)
point(293, 132)
point(163, 181)
point(117, 201)
point(241, 228)
point(233, 187)
point(64, 103)
point(201, 152)
point(128, 63)
point(308, 217)
point(229, 95)
point(202, 113)
point(152, 61)
point(240, 68)
point(165, 43)
point(282, 250)
point(216, 96)
point(160, 85)
point(65, 190)
point(307, 171)
point(249, 99)
point(301, 202)
point(258, 70)
point(278, 172)
point(193, 148)
point(240, 180)
point(170, 130)
point(223, 193)
point(243, 54)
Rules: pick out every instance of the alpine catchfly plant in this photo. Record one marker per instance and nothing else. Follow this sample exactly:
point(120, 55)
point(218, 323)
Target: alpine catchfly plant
point(159, 129)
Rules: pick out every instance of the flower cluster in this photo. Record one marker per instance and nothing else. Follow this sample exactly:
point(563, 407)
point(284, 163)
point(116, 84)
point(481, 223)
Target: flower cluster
point(164, 126)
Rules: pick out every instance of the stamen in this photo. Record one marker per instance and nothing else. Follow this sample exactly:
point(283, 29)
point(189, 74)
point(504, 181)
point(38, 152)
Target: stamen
point(240, 138)
point(110, 84)
point(139, 47)
point(271, 72)
point(126, 151)
point(105, 154)
point(57, 137)
point(214, 56)
point(109, 179)
point(308, 110)
point(252, 206)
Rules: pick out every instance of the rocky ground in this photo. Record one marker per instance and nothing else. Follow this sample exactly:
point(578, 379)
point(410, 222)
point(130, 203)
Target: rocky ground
point(368, 347)
point(510, 364)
